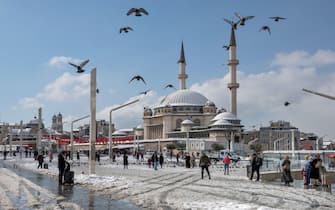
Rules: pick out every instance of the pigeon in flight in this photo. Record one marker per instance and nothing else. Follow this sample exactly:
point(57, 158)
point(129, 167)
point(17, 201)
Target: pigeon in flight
point(277, 18)
point(145, 92)
point(80, 67)
point(138, 12)
point(287, 103)
point(226, 47)
point(125, 29)
point(138, 78)
point(97, 91)
point(233, 25)
point(169, 86)
point(265, 28)
point(243, 19)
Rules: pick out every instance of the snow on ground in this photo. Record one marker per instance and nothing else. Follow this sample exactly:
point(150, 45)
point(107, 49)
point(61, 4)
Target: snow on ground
point(180, 188)
point(19, 193)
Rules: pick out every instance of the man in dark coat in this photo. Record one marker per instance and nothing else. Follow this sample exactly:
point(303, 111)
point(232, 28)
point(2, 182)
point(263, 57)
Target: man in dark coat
point(314, 170)
point(40, 160)
point(204, 164)
point(256, 163)
point(125, 160)
point(61, 167)
point(161, 160)
point(155, 159)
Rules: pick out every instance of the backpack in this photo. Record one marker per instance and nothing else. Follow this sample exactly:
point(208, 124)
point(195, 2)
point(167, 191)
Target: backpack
point(259, 161)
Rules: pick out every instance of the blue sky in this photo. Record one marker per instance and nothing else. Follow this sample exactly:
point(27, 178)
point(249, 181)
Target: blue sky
point(39, 37)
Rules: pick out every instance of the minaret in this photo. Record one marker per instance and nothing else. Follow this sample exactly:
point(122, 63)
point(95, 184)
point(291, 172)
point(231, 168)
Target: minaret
point(182, 76)
point(232, 63)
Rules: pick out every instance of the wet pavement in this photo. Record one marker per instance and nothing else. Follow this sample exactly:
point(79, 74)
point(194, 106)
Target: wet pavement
point(85, 198)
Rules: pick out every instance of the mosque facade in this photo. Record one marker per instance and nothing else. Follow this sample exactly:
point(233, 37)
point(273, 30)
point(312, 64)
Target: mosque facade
point(167, 120)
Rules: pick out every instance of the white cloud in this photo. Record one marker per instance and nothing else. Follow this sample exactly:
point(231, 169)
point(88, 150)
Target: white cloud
point(61, 61)
point(261, 96)
point(30, 103)
point(67, 87)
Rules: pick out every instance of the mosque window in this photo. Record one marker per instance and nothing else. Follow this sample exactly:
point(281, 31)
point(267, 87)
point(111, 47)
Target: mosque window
point(178, 123)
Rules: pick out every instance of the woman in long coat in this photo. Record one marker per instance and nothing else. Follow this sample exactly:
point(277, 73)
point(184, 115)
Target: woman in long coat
point(286, 176)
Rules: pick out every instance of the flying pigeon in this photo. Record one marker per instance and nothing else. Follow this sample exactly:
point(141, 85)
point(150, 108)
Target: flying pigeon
point(138, 78)
point(233, 25)
point(145, 92)
point(243, 19)
point(226, 47)
point(287, 103)
point(80, 67)
point(125, 29)
point(138, 12)
point(97, 91)
point(265, 28)
point(169, 86)
point(277, 18)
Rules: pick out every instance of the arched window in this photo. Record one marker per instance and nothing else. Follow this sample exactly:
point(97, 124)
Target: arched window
point(196, 122)
point(178, 123)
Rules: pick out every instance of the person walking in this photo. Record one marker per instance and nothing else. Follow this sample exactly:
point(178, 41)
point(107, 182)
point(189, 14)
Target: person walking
point(226, 162)
point(40, 160)
point(204, 164)
point(125, 160)
point(161, 160)
point(155, 159)
point(78, 155)
point(315, 172)
point(61, 167)
point(286, 175)
point(256, 163)
point(192, 160)
point(307, 170)
point(303, 172)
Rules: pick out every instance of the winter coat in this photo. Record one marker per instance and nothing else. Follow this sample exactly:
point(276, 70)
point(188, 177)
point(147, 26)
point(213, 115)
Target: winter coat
point(314, 171)
point(61, 161)
point(204, 161)
point(125, 159)
point(161, 159)
point(226, 160)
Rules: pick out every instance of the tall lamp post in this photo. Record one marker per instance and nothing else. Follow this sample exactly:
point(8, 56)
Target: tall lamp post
point(186, 126)
point(93, 124)
point(71, 134)
point(110, 124)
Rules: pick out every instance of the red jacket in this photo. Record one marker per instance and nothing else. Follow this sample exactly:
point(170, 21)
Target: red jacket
point(226, 160)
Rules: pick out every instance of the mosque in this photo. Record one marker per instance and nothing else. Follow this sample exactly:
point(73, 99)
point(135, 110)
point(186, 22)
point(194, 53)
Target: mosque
point(188, 116)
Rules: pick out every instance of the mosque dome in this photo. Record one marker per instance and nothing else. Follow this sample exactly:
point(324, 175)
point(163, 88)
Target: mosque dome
point(225, 116)
point(209, 103)
point(184, 97)
point(187, 122)
point(221, 122)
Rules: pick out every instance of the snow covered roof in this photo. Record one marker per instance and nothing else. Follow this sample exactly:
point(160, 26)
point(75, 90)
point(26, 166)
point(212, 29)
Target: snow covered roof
point(225, 116)
point(222, 122)
point(184, 97)
point(187, 122)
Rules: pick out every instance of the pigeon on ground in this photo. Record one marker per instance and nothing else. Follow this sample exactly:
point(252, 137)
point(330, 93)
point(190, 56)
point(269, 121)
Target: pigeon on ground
point(80, 66)
point(137, 11)
point(243, 19)
point(138, 78)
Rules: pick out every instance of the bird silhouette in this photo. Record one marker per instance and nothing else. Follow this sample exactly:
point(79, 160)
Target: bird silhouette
point(125, 29)
point(137, 11)
point(265, 28)
point(138, 78)
point(80, 66)
point(287, 103)
point(97, 90)
point(169, 86)
point(226, 47)
point(277, 18)
point(145, 92)
point(243, 19)
point(233, 25)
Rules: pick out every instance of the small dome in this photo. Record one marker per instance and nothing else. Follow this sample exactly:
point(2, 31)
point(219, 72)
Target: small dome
point(147, 110)
point(225, 116)
point(187, 122)
point(222, 122)
point(209, 103)
point(184, 97)
point(119, 133)
point(139, 126)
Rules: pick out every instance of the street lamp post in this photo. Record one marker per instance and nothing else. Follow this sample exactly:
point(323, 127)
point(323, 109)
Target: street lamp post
point(186, 126)
point(93, 124)
point(71, 134)
point(110, 125)
point(21, 138)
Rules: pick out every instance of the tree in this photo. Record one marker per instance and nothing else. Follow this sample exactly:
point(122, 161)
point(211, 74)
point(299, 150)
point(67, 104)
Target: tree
point(217, 146)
